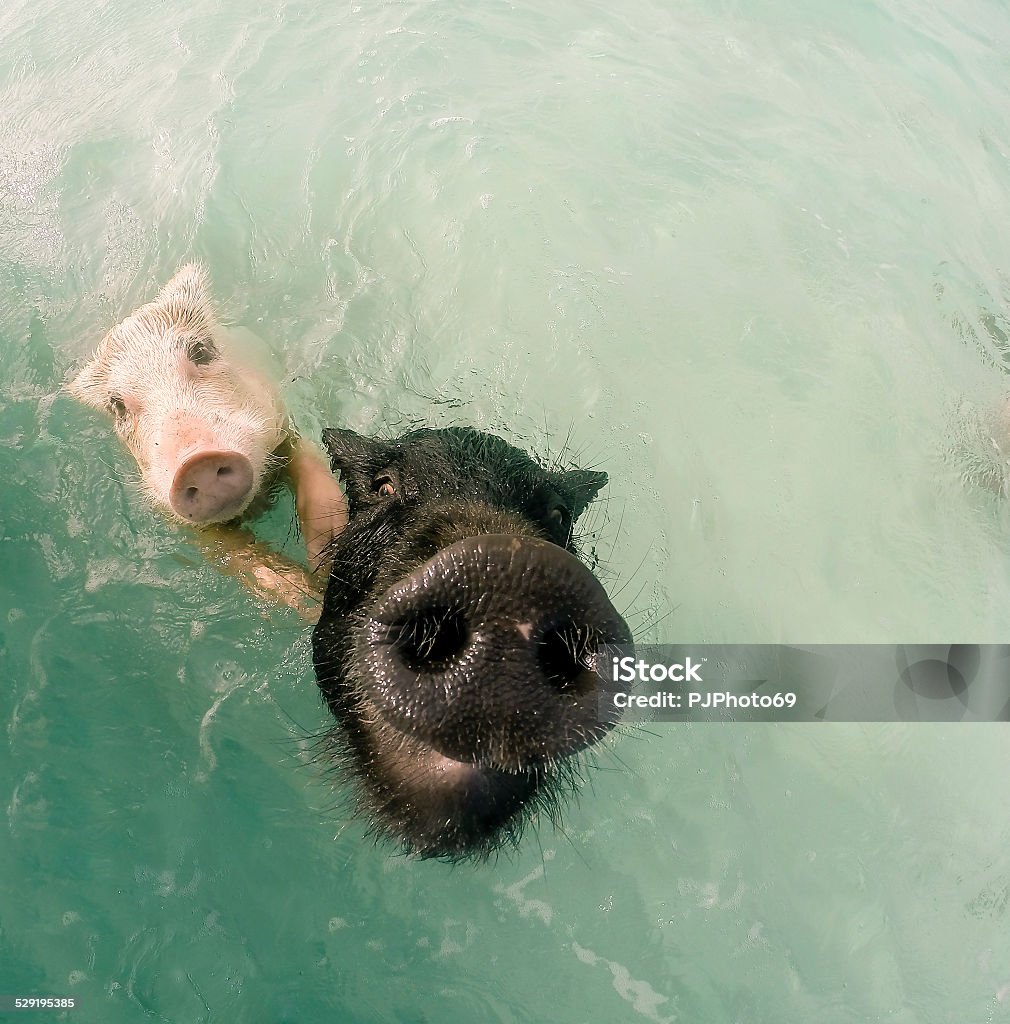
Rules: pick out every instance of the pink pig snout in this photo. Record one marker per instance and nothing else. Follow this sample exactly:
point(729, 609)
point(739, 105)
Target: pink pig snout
point(212, 486)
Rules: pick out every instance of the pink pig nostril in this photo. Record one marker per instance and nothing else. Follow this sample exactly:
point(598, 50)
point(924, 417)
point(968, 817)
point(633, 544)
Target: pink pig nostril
point(212, 486)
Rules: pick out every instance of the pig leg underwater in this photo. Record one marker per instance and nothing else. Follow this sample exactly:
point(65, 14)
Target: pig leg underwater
point(322, 514)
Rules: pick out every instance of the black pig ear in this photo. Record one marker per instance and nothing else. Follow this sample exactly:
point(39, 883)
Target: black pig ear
point(355, 458)
point(348, 446)
point(580, 486)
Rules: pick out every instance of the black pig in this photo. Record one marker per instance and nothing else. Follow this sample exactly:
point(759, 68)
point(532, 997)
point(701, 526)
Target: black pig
point(457, 642)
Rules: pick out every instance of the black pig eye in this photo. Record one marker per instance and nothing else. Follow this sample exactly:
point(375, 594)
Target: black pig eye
point(117, 406)
point(201, 351)
point(560, 518)
point(383, 486)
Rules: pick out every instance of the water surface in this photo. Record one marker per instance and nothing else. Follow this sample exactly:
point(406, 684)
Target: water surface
point(750, 257)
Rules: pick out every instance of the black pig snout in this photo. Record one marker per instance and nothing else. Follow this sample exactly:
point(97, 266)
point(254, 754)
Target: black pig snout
point(487, 652)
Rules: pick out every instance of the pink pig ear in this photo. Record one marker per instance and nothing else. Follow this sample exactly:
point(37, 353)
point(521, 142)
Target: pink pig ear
point(190, 284)
point(187, 299)
point(87, 386)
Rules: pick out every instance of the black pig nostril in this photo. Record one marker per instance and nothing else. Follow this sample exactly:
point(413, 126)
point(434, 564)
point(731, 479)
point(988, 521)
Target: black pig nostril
point(223, 470)
point(431, 640)
point(567, 655)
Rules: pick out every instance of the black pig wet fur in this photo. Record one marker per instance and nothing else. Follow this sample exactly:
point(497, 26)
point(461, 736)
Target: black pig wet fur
point(444, 782)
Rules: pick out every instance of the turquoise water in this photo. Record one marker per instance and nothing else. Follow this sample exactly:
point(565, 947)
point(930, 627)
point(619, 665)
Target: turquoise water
point(751, 256)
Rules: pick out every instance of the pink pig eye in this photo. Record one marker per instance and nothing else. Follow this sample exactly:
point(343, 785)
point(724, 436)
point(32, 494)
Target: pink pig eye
point(122, 406)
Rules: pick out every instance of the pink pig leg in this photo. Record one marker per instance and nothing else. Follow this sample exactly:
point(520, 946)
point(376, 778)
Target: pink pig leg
point(319, 502)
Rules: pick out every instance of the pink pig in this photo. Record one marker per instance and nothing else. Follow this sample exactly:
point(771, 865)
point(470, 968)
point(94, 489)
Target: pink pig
point(208, 431)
